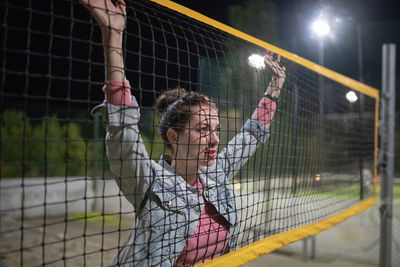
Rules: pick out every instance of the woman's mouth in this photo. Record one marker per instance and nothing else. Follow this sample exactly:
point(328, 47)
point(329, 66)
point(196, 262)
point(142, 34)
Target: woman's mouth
point(211, 153)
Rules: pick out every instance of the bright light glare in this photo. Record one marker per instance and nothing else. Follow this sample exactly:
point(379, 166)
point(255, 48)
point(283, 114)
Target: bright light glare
point(321, 27)
point(351, 96)
point(256, 61)
point(338, 20)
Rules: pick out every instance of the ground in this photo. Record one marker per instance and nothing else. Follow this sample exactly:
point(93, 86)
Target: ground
point(94, 243)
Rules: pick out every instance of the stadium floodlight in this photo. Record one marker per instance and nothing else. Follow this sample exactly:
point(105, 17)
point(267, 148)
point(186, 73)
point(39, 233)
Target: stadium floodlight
point(351, 96)
point(256, 61)
point(320, 27)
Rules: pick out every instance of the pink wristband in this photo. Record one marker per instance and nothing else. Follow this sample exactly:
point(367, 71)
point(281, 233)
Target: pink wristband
point(265, 111)
point(118, 93)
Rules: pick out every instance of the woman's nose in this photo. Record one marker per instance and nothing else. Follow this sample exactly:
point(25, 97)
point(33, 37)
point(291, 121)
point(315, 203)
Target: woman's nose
point(214, 138)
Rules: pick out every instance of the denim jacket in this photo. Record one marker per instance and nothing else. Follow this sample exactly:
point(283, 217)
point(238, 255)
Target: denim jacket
point(167, 208)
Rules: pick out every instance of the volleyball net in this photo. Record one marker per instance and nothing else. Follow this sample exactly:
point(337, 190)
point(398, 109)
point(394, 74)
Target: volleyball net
point(59, 200)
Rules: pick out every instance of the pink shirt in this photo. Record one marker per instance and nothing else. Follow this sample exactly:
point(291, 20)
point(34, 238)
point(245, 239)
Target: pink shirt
point(118, 93)
point(265, 111)
point(209, 240)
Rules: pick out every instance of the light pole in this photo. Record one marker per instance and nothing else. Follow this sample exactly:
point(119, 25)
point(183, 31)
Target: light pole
point(361, 102)
point(321, 28)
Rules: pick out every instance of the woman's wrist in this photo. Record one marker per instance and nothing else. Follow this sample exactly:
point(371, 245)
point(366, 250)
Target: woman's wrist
point(113, 54)
point(274, 89)
point(112, 39)
point(271, 97)
point(265, 111)
point(118, 93)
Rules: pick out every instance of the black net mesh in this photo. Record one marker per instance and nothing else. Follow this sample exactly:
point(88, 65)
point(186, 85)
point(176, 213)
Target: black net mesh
point(60, 202)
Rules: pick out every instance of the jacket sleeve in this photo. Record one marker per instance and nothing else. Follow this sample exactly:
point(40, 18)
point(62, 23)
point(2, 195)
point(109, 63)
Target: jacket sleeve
point(126, 152)
point(253, 134)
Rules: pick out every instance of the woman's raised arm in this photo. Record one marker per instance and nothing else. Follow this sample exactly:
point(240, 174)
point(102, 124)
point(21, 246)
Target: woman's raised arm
point(266, 107)
point(112, 20)
point(255, 131)
point(126, 152)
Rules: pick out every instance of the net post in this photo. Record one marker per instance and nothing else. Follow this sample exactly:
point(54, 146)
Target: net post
point(96, 152)
point(362, 100)
point(387, 146)
point(313, 246)
point(305, 249)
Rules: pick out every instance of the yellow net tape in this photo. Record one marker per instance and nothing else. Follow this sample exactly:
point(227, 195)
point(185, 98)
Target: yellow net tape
point(257, 249)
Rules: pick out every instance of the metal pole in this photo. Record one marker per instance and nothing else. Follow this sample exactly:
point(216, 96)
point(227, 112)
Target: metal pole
point(360, 53)
point(388, 96)
point(321, 61)
point(294, 138)
point(321, 56)
point(361, 111)
point(313, 246)
point(96, 153)
point(305, 249)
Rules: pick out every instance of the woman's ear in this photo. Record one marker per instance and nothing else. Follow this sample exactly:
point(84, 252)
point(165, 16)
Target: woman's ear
point(172, 136)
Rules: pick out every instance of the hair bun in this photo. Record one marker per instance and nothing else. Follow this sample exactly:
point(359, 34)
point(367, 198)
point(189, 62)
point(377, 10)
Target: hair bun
point(169, 97)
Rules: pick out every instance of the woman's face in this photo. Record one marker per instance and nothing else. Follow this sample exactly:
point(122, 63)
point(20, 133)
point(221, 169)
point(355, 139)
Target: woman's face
point(197, 144)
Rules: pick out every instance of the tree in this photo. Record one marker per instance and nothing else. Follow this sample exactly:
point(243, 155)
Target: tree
point(257, 18)
point(46, 148)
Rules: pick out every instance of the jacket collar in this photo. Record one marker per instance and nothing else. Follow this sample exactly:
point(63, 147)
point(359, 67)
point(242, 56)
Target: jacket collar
point(171, 179)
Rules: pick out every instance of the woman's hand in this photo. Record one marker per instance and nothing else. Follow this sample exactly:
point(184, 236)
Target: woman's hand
point(110, 17)
point(278, 73)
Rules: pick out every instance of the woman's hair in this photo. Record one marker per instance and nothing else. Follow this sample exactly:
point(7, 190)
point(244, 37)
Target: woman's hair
point(174, 108)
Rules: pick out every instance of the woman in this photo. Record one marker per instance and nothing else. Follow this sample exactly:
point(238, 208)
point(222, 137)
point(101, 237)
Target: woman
point(184, 204)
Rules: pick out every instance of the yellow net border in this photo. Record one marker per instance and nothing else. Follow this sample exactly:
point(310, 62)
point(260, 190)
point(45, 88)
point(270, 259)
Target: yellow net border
point(257, 249)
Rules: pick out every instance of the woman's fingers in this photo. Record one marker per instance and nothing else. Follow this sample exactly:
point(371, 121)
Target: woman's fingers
point(271, 55)
point(98, 7)
point(274, 65)
point(121, 5)
point(121, 2)
point(109, 14)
